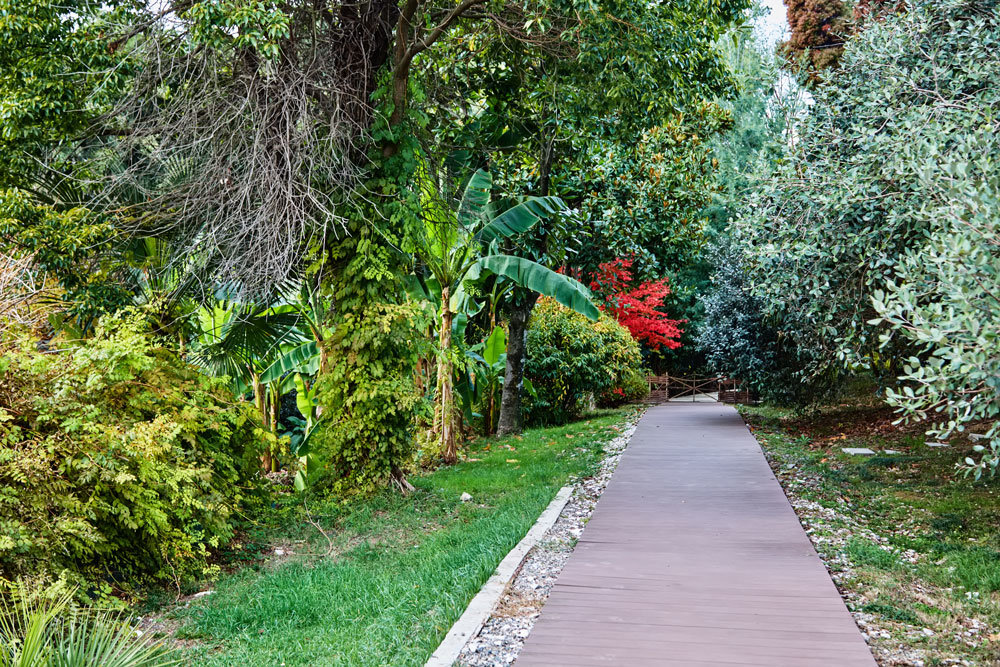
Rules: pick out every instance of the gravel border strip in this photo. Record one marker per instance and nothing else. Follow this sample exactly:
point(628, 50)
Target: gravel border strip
point(500, 639)
point(485, 601)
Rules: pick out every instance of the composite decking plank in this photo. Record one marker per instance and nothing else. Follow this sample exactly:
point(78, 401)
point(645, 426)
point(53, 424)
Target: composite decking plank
point(694, 556)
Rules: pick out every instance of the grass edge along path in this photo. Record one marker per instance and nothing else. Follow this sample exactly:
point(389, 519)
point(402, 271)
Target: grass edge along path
point(913, 545)
point(401, 569)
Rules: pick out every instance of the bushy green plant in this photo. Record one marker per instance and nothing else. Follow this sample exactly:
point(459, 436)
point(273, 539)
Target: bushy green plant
point(633, 386)
point(881, 161)
point(737, 340)
point(118, 461)
point(573, 362)
point(368, 399)
point(942, 300)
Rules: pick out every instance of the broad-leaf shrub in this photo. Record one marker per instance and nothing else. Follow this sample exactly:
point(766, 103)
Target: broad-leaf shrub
point(944, 300)
point(906, 125)
point(738, 342)
point(118, 461)
point(573, 361)
point(633, 386)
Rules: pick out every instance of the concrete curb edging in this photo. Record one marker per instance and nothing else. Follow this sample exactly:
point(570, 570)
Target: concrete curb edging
point(482, 605)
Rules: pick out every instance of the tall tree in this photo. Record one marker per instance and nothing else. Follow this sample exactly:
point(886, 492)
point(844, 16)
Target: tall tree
point(579, 72)
point(818, 31)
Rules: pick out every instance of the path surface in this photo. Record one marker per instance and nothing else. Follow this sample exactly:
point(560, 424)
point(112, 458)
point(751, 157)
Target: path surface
point(694, 557)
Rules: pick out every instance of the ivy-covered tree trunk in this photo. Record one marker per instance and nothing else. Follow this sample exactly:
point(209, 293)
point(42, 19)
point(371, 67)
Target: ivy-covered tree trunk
point(444, 417)
point(513, 383)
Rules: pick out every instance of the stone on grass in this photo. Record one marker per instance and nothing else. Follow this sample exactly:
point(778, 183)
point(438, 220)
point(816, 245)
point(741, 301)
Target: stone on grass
point(466, 497)
point(891, 451)
point(858, 451)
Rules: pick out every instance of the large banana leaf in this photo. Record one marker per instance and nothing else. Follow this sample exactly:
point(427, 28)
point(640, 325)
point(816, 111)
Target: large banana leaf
point(538, 278)
point(520, 218)
point(495, 346)
point(476, 198)
point(420, 288)
point(300, 359)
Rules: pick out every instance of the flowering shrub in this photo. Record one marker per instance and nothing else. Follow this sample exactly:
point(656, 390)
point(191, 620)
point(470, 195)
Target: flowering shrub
point(636, 308)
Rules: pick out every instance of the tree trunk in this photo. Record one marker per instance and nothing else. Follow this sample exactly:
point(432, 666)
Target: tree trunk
point(260, 401)
point(445, 413)
point(491, 411)
point(513, 383)
point(275, 407)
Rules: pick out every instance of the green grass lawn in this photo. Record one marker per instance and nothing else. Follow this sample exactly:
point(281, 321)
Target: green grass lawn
point(918, 542)
point(400, 570)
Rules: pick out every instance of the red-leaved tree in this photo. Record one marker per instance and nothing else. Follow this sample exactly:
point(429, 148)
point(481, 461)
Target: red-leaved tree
point(636, 308)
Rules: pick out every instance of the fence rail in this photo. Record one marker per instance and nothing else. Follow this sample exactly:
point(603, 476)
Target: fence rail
point(667, 387)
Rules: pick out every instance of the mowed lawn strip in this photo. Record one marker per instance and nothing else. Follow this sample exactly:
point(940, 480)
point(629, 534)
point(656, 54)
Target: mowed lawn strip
point(401, 569)
point(917, 542)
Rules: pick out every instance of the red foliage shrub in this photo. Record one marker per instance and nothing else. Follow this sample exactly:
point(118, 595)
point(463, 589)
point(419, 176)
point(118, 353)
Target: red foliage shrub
point(636, 308)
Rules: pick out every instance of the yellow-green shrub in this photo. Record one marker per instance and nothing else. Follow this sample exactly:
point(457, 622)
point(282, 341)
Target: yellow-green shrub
point(572, 361)
point(118, 461)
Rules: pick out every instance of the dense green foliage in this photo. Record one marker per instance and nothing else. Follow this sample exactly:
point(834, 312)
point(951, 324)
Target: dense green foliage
point(573, 362)
point(873, 247)
point(119, 462)
point(368, 398)
point(940, 300)
point(736, 339)
point(648, 198)
point(72, 246)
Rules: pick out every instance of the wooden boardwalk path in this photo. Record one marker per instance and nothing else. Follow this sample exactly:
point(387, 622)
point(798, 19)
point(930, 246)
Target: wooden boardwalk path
point(694, 557)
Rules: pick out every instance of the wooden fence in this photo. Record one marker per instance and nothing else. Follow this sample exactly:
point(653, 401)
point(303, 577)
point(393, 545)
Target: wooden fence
point(725, 390)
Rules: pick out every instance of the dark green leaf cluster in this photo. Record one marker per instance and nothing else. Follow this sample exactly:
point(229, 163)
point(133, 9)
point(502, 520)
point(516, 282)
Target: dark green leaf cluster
point(574, 363)
point(737, 340)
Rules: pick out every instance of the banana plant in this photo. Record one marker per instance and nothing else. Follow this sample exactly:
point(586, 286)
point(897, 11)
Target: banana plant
point(459, 246)
point(484, 379)
point(307, 403)
point(267, 350)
